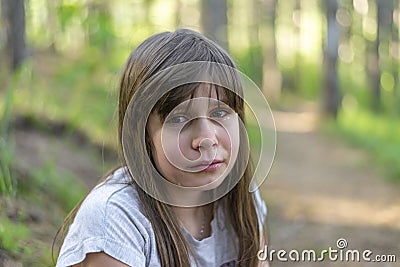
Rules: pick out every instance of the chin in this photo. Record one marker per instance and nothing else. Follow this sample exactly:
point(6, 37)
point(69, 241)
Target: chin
point(210, 182)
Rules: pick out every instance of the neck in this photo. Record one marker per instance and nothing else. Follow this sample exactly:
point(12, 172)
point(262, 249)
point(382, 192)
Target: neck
point(188, 197)
point(192, 212)
point(196, 220)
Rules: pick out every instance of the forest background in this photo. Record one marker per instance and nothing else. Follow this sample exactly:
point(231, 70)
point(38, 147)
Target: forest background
point(60, 63)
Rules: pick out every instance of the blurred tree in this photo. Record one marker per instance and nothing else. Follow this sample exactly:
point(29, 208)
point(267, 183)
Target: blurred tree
point(178, 11)
point(384, 25)
point(13, 15)
point(372, 56)
point(396, 52)
point(271, 77)
point(296, 17)
point(52, 20)
point(147, 8)
point(254, 34)
point(99, 25)
point(332, 96)
point(345, 19)
point(214, 21)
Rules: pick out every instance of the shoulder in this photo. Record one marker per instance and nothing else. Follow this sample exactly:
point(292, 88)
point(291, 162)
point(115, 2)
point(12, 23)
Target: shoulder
point(111, 220)
point(113, 199)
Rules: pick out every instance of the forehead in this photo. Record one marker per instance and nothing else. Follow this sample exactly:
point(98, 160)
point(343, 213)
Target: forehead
point(186, 92)
point(210, 91)
point(203, 97)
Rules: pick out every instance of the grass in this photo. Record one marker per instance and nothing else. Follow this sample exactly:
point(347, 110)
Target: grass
point(42, 93)
point(377, 133)
point(7, 183)
point(62, 187)
point(54, 194)
point(78, 90)
point(13, 236)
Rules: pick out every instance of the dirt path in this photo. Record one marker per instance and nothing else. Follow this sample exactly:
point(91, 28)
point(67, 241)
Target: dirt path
point(320, 189)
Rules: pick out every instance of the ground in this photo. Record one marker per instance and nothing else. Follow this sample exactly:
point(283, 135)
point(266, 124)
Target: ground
point(46, 150)
point(319, 190)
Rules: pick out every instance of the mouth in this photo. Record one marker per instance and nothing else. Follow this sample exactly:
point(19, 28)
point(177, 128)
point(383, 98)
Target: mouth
point(210, 167)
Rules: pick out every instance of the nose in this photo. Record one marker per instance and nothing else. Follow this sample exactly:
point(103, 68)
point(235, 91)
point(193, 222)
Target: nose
point(204, 134)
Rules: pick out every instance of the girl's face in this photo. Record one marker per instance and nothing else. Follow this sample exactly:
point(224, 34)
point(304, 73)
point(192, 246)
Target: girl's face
point(197, 144)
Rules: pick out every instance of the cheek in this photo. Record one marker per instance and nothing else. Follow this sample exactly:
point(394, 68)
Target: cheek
point(158, 153)
point(184, 146)
point(172, 153)
point(225, 139)
point(175, 149)
point(229, 136)
point(162, 163)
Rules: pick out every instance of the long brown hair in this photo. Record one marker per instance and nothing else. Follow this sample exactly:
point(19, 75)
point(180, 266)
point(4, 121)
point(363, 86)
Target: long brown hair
point(157, 53)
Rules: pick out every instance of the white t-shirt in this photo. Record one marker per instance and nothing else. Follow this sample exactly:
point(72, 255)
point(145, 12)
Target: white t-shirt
point(111, 220)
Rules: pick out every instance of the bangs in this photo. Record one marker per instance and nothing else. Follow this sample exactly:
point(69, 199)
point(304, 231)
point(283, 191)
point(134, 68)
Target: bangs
point(176, 96)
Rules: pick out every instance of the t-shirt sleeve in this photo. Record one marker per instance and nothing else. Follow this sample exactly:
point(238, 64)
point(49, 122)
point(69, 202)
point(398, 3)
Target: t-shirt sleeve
point(103, 223)
point(261, 208)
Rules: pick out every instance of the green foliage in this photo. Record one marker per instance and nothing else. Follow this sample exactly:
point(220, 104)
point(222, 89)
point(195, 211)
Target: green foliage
point(250, 62)
point(100, 26)
point(254, 135)
point(61, 186)
point(310, 79)
point(7, 183)
point(305, 79)
point(13, 235)
point(80, 92)
point(380, 134)
point(86, 96)
point(67, 12)
point(353, 82)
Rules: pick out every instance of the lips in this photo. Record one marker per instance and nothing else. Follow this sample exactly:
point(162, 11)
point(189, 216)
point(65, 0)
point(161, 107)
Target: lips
point(214, 165)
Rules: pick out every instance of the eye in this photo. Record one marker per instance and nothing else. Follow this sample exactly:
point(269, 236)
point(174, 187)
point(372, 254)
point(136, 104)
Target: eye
point(176, 119)
point(219, 113)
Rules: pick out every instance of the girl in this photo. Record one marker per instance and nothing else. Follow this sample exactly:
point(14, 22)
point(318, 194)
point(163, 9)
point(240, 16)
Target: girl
point(176, 200)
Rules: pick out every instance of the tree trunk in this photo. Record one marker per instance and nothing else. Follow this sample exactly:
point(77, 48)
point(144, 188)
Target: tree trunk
point(178, 11)
point(147, 8)
point(52, 22)
point(373, 68)
point(13, 12)
point(272, 79)
point(384, 21)
point(332, 96)
point(297, 33)
point(396, 56)
point(214, 21)
point(255, 49)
